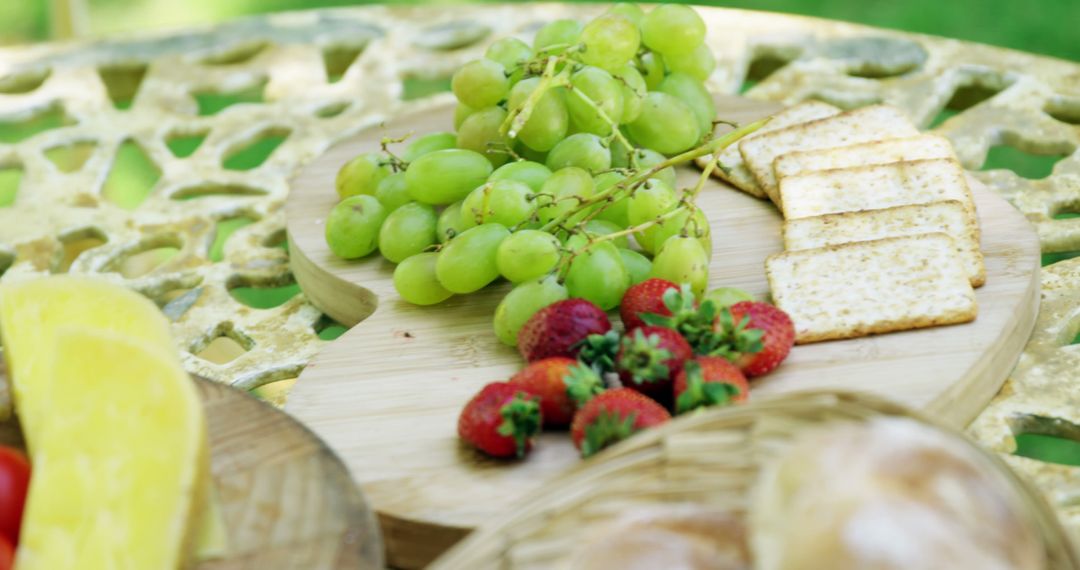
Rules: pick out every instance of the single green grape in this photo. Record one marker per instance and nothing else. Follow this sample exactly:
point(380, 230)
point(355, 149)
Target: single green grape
point(651, 200)
point(598, 228)
point(631, 12)
point(480, 133)
point(461, 112)
point(449, 223)
point(633, 89)
point(598, 275)
point(467, 262)
point(563, 192)
point(620, 154)
point(352, 228)
point(638, 266)
point(683, 260)
point(672, 29)
point(727, 296)
point(583, 150)
point(407, 231)
point(647, 158)
point(610, 41)
point(691, 219)
point(693, 93)
point(614, 212)
point(362, 175)
point(521, 303)
point(555, 37)
point(506, 202)
point(549, 120)
point(480, 83)
point(527, 254)
point(509, 52)
point(531, 173)
point(666, 125)
point(415, 281)
point(652, 70)
point(596, 85)
point(698, 64)
point(392, 192)
point(429, 143)
point(446, 176)
point(529, 154)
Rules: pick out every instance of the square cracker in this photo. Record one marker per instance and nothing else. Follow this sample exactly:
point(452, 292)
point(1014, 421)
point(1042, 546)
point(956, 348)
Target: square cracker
point(730, 162)
point(874, 123)
point(921, 147)
point(870, 287)
point(875, 187)
point(949, 217)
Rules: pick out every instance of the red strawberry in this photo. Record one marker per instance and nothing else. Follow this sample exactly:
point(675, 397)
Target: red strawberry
point(759, 335)
point(649, 359)
point(501, 420)
point(614, 416)
point(709, 381)
point(645, 297)
point(560, 383)
point(556, 329)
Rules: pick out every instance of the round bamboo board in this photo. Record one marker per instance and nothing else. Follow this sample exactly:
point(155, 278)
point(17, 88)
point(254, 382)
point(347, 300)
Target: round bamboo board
point(287, 501)
point(386, 395)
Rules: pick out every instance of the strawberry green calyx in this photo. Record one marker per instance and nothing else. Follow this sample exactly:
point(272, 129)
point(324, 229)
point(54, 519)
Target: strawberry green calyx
point(582, 383)
point(521, 420)
point(644, 358)
point(599, 350)
point(608, 428)
point(693, 321)
point(700, 393)
point(732, 339)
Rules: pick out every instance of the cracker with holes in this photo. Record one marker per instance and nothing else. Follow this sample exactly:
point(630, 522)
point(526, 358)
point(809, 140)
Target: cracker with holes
point(871, 287)
point(921, 147)
point(948, 217)
point(874, 123)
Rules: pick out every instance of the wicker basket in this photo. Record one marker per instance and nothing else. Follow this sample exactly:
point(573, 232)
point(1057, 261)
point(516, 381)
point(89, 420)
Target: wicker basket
point(710, 458)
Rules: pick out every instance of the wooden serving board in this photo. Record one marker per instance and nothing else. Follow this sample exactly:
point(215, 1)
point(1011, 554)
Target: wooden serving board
point(287, 500)
point(386, 395)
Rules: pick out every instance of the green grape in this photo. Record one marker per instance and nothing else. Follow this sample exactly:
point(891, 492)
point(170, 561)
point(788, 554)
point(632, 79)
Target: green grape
point(652, 70)
point(672, 29)
point(430, 143)
point(446, 176)
point(620, 154)
point(520, 304)
point(691, 219)
point(555, 37)
point(506, 202)
point(509, 52)
point(527, 254)
point(393, 192)
point(610, 41)
point(480, 83)
point(598, 275)
point(415, 281)
point(449, 223)
point(461, 112)
point(480, 133)
point(582, 150)
point(597, 85)
point(548, 123)
point(631, 12)
point(614, 212)
point(693, 93)
point(698, 64)
point(352, 228)
point(683, 260)
point(529, 154)
point(467, 262)
point(598, 228)
point(531, 173)
point(666, 125)
point(648, 158)
point(362, 175)
point(559, 191)
point(633, 89)
point(651, 200)
point(727, 296)
point(638, 266)
point(407, 231)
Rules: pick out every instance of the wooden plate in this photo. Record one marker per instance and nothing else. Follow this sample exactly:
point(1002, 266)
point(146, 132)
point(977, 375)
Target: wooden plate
point(386, 395)
point(287, 500)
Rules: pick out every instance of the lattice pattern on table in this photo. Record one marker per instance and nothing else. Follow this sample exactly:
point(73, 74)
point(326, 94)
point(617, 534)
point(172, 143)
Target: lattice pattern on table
point(308, 79)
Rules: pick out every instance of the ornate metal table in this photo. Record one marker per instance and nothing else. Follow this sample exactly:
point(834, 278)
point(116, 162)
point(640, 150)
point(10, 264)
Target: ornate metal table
point(216, 121)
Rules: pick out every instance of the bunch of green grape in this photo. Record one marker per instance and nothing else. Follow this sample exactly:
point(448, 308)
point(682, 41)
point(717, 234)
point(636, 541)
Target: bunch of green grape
point(560, 177)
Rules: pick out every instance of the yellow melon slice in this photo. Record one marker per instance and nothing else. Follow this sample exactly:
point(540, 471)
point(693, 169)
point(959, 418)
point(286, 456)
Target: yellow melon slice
point(119, 463)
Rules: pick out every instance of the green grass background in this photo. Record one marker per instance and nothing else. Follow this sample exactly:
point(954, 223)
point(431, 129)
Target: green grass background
point(1042, 26)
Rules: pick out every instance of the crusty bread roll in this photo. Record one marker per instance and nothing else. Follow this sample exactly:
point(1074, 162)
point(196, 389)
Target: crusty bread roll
point(889, 494)
point(679, 537)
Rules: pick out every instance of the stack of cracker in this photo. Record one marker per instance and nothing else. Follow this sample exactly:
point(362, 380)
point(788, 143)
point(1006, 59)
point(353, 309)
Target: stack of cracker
point(880, 227)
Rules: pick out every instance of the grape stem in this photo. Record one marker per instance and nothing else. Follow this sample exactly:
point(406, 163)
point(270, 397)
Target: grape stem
point(518, 116)
point(616, 134)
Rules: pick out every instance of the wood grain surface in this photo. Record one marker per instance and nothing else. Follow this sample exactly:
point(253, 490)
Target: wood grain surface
point(287, 500)
point(386, 395)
